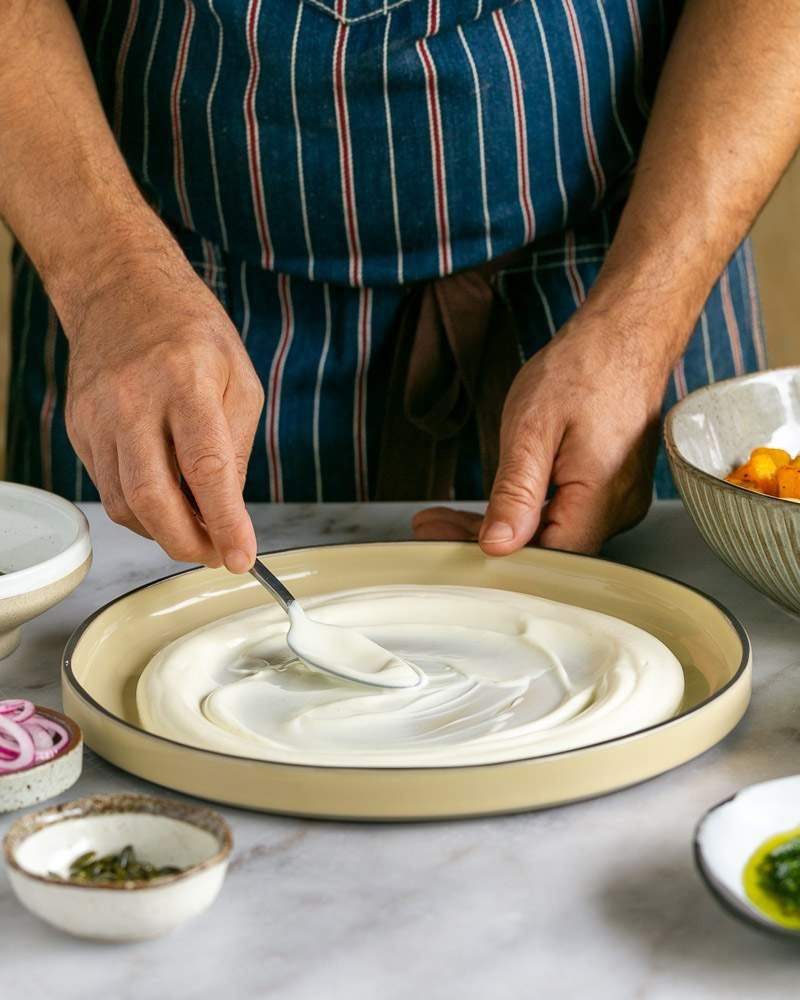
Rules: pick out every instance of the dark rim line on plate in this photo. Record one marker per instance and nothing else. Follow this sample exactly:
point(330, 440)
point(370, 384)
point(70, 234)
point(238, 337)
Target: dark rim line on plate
point(84, 695)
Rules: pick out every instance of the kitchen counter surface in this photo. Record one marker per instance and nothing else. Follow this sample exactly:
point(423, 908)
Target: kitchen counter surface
point(598, 899)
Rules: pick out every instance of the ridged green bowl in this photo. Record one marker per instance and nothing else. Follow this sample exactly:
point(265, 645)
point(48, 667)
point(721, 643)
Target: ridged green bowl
point(711, 431)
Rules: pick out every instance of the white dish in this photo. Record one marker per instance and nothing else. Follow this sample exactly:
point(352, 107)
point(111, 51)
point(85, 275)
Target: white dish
point(45, 552)
point(41, 846)
point(730, 833)
point(106, 656)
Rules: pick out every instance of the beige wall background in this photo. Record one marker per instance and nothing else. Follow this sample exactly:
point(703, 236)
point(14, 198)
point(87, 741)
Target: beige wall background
point(777, 247)
point(5, 310)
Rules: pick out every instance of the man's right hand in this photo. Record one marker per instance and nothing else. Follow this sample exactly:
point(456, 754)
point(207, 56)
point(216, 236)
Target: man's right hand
point(161, 388)
point(160, 385)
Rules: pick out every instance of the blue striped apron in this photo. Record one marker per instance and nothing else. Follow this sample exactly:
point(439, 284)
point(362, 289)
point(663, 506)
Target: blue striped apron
point(315, 158)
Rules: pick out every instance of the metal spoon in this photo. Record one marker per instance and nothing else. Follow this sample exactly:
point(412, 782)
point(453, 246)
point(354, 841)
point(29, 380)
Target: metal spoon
point(331, 649)
point(334, 649)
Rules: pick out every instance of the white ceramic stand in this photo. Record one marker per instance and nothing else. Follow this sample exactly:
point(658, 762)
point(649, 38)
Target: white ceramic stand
point(9, 641)
point(45, 552)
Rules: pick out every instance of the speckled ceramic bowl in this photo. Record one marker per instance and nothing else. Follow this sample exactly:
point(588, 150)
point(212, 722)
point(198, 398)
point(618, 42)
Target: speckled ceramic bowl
point(45, 552)
point(42, 781)
point(41, 846)
point(710, 432)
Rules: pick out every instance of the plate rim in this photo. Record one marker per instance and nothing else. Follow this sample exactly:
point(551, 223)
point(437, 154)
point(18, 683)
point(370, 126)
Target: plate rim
point(83, 695)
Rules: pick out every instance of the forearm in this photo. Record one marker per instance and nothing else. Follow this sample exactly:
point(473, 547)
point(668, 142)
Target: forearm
point(725, 124)
point(65, 190)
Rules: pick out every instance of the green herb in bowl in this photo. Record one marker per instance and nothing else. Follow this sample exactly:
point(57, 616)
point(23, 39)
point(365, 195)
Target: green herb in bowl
point(121, 867)
point(779, 875)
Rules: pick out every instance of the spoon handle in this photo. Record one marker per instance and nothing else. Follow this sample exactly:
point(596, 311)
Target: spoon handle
point(273, 584)
point(259, 570)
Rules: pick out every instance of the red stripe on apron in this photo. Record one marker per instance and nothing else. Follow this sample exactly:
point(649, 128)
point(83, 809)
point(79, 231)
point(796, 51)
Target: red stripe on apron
point(520, 127)
point(345, 151)
point(253, 144)
point(175, 109)
point(437, 157)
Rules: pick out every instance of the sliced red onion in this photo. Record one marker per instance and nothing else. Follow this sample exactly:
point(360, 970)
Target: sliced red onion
point(54, 728)
point(26, 737)
point(26, 752)
point(19, 709)
point(41, 738)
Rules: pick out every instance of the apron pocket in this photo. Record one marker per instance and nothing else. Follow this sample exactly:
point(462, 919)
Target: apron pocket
point(352, 11)
point(455, 13)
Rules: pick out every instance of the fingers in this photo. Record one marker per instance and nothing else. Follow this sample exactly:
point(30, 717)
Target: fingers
point(444, 524)
point(518, 493)
point(606, 491)
point(207, 459)
point(176, 395)
point(150, 487)
point(102, 465)
point(578, 519)
point(138, 479)
point(103, 468)
point(242, 405)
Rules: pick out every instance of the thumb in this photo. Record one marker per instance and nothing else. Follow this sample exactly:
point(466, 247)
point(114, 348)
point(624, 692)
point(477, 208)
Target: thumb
point(518, 493)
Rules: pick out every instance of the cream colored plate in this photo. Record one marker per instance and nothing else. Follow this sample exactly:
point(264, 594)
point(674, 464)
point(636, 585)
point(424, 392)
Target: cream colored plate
point(106, 655)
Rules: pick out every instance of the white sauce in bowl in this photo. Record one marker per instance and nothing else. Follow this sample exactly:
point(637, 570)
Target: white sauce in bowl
point(506, 676)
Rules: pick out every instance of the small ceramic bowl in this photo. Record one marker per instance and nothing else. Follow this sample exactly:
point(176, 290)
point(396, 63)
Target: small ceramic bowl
point(729, 834)
point(45, 552)
point(41, 846)
point(42, 781)
point(712, 431)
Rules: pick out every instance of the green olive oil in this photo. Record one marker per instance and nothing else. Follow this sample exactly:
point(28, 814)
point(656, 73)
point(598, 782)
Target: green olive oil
point(772, 878)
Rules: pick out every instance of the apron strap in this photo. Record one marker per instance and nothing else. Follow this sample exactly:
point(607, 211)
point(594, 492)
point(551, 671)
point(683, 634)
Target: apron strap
point(457, 352)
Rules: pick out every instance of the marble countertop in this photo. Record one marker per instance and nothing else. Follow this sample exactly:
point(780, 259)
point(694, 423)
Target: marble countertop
point(597, 899)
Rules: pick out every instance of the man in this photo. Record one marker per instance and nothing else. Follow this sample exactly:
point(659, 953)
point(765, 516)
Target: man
point(369, 214)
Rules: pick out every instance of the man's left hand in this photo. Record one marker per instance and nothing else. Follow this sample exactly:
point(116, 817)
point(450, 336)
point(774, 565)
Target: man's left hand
point(582, 416)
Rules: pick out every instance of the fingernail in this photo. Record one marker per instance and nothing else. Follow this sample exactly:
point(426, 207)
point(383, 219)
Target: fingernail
point(498, 531)
point(236, 561)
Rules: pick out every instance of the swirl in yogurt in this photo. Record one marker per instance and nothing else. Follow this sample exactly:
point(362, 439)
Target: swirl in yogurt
point(505, 676)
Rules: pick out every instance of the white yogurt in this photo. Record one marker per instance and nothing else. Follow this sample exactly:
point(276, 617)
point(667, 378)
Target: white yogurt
point(505, 676)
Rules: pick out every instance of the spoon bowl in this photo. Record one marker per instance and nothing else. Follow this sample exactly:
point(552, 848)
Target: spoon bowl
point(333, 649)
point(329, 649)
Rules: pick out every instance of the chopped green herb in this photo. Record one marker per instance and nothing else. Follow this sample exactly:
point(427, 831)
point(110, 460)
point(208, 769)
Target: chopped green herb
point(121, 867)
point(779, 875)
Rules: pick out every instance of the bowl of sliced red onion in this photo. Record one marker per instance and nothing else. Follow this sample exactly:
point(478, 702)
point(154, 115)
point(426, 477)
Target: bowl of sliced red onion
point(41, 753)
